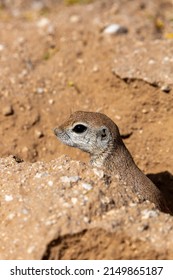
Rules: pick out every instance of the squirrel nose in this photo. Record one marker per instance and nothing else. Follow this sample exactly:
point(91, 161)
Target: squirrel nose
point(56, 130)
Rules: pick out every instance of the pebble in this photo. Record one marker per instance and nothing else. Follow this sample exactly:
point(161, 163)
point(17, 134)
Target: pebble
point(86, 186)
point(8, 197)
point(151, 61)
point(31, 249)
point(51, 30)
point(115, 29)
point(43, 22)
point(74, 200)
point(143, 227)
point(166, 88)
point(50, 183)
point(1, 47)
point(95, 69)
point(118, 117)
point(23, 73)
point(51, 101)
point(86, 219)
point(149, 214)
point(8, 110)
point(144, 111)
point(41, 175)
point(74, 19)
point(39, 133)
point(25, 211)
point(40, 90)
point(99, 172)
point(10, 216)
point(71, 179)
point(25, 150)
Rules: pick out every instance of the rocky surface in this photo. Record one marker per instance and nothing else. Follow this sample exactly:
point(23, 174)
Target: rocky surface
point(56, 58)
point(66, 210)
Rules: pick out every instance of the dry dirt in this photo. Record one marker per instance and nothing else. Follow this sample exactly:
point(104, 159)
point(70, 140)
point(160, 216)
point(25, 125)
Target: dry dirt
point(56, 58)
point(66, 210)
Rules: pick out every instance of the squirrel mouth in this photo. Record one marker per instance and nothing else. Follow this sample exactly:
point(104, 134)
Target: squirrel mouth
point(63, 137)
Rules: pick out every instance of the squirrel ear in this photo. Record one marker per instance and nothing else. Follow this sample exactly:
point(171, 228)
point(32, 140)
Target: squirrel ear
point(104, 134)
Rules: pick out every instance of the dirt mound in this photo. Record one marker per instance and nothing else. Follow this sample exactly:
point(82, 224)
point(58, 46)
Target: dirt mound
point(66, 210)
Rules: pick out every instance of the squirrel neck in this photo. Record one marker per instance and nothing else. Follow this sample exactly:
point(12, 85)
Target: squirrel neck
point(118, 161)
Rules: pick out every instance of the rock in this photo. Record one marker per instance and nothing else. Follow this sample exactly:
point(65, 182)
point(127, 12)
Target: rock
point(62, 203)
point(51, 101)
point(115, 29)
point(40, 90)
point(39, 133)
point(1, 47)
point(74, 19)
point(8, 197)
point(43, 22)
point(7, 110)
point(71, 179)
point(87, 186)
point(166, 88)
point(149, 61)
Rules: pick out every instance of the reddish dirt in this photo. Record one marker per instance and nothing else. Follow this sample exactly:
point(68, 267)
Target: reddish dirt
point(66, 65)
point(55, 59)
point(64, 209)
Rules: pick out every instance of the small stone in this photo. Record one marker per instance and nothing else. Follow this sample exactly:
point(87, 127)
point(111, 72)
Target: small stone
point(39, 133)
point(51, 30)
point(151, 61)
point(143, 227)
point(40, 90)
point(8, 110)
point(1, 47)
point(25, 150)
point(95, 69)
point(86, 186)
point(25, 211)
point(146, 214)
point(43, 22)
point(86, 219)
point(8, 197)
point(50, 183)
point(144, 111)
point(10, 216)
point(74, 19)
point(51, 101)
point(118, 117)
point(74, 200)
point(41, 175)
point(80, 61)
point(98, 172)
point(23, 73)
point(115, 29)
point(166, 88)
point(31, 249)
point(71, 179)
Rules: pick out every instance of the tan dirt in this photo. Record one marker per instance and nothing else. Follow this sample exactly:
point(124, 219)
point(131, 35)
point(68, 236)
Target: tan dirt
point(55, 59)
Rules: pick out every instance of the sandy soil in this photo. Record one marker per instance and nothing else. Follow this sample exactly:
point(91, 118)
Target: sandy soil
point(56, 58)
point(64, 209)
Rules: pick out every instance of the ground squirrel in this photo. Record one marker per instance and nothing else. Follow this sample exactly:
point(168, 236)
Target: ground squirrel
point(98, 135)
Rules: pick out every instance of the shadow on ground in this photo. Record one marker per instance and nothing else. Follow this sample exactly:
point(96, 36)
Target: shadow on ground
point(164, 181)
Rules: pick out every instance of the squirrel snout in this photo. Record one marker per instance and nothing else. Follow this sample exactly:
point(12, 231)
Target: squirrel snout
point(56, 130)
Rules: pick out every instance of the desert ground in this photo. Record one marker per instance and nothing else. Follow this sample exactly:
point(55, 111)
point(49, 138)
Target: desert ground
point(57, 57)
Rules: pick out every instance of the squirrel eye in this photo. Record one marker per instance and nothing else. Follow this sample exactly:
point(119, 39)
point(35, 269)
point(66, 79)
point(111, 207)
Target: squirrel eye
point(79, 128)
